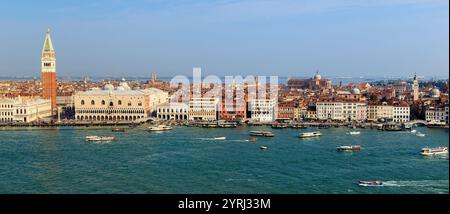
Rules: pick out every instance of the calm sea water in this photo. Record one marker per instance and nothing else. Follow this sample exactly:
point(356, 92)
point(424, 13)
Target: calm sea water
point(188, 160)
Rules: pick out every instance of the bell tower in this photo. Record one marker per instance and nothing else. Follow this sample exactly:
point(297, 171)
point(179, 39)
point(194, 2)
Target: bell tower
point(48, 65)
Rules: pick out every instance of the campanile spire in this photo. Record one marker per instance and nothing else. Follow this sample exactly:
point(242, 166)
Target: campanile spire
point(48, 66)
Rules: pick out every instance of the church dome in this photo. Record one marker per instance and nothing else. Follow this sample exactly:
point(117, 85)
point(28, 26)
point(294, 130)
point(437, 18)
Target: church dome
point(108, 87)
point(435, 93)
point(317, 76)
point(125, 86)
point(356, 91)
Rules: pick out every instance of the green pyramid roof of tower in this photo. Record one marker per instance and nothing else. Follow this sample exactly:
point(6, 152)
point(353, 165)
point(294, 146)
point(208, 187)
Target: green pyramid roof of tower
point(48, 46)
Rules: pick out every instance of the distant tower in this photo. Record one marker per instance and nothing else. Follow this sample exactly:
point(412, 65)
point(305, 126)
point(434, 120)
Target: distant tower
point(153, 78)
point(49, 71)
point(415, 87)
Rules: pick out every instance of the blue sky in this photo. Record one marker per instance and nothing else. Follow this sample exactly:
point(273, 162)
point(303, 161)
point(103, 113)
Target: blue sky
point(227, 37)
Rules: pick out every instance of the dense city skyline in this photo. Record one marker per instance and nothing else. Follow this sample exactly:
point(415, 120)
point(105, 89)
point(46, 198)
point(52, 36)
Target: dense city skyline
point(287, 38)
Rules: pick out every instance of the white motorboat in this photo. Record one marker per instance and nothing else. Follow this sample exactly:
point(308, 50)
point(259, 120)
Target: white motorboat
point(370, 183)
point(413, 131)
point(309, 134)
point(349, 148)
point(220, 138)
point(263, 147)
point(160, 128)
point(434, 151)
point(354, 133)
point(100, 138)
point(420, 135)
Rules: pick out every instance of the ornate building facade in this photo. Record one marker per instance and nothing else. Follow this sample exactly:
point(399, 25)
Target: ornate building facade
point(117, 104)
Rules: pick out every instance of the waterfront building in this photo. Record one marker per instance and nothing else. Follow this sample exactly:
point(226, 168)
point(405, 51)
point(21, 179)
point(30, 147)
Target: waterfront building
point(341, 110)
point(172, 111)
point(310, 114)
point(262, 110)
point(380, 112)
point(117, 104)
point(24, 109)
point(203, 108)
point(235, 110)
point(48, 64)
point(299, 112)
point(286, 110)
point(438, 114)
point(401, 112)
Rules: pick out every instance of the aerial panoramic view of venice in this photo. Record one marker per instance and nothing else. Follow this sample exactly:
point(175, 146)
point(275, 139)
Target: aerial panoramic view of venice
point(224, 97)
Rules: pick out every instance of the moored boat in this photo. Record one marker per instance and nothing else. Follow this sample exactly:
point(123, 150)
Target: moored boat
point(118, 130)
point(354, 133)
point(220, 138)
point(309, 134)
point(252, 140)
point(434, 151)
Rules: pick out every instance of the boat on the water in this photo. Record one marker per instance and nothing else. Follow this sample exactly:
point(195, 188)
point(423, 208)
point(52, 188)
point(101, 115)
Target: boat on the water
point(309, 134)
point(370, 183)
point(349, 148)
point(252, 140)
point(99, 138)
point(160, 128)
point(220, 138)
point(279, 126)
point(434, 151)
point(118, 130)
point(262, 133)
point(263, 147)
point(413, 131)
point(420, 135)
point(354, 133)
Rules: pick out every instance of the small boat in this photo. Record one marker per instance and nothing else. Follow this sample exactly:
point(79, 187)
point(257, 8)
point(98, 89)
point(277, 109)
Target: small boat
point(263, 147)
point(434, 151)
point(420, 135)
point(220, 138)
point(370, 183)
point(279, 126)
point(354, 133)
point(252, 140)
point(99, 138)
point(349, 148)
point(261, 133)
point(413, 131)
point(160, 128)
point(309, 134)
point(118, 130)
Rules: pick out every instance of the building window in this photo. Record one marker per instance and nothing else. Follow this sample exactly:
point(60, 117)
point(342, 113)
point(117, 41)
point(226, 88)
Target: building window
point(120, 102)
point(92, 102)
point(103, 102)
point(129, 103)
point(111, 104)
point(82, 102)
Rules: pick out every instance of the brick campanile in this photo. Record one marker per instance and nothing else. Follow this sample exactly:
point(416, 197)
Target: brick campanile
point(49, 71)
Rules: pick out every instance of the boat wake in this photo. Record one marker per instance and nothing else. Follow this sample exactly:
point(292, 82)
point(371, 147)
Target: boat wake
point(212, 138)
point(422, 183)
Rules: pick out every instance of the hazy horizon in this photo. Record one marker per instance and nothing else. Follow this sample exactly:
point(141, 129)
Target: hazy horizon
point(228, 37)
